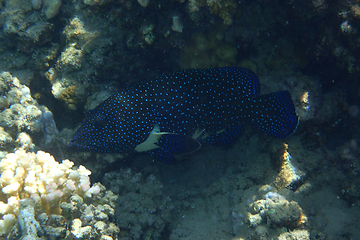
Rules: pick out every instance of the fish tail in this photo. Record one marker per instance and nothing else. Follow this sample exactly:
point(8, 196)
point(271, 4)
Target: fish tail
point(275, 114)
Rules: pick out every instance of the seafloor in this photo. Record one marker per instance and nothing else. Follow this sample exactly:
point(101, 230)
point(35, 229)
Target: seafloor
point(60, 58)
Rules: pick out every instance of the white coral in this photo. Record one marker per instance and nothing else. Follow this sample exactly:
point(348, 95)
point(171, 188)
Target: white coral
point(40, 177)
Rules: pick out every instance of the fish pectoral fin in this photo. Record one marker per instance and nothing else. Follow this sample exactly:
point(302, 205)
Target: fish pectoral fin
point(151, 141)
point(149, 144)
point(171, 142)
point(162, 145)
point(224, 136)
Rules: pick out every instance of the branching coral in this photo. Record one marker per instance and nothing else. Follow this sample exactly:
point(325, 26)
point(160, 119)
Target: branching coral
point(39, 177)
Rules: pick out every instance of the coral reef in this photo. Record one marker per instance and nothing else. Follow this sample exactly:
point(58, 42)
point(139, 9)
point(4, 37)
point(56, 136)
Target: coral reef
point(67, 56)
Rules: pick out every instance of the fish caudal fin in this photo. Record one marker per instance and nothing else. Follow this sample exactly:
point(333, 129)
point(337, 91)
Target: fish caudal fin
point(275, 114)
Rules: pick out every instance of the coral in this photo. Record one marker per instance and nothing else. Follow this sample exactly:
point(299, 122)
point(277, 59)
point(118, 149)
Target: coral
point(355, 10)
point(30, 228)
point(295, 235)
point(349, 155)
point(72, 66)
point(177, 25)
point(222, 8)
point(281, 213)
point(288, 175)
point(275, 212)
point(96, 2)
point(6, 140)
point(39, 177)
point(80, 219)
point(141, 210)
point(78, 231)
point(67, 95)
point(24, 113)
point(48, 127)
point(147, 33)
point(26, 26)
point(24, 141)
point(69, 59)
point(76, 32)
point(36, 4)
point(36, 32)
point(53, 225)
point(15, 21)
point(92, 220)
point(144, 3)
point(207, 51)
point(51, 8)
point(19, 117)
point(267, 214)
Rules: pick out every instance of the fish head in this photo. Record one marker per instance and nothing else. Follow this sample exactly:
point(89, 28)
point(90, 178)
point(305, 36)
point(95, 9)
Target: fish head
point(100, 132)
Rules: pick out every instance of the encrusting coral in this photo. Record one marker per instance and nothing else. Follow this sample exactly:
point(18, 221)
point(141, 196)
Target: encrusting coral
point(39, 177)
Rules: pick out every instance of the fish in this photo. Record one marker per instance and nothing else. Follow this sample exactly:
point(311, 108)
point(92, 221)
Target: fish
point(176, 113)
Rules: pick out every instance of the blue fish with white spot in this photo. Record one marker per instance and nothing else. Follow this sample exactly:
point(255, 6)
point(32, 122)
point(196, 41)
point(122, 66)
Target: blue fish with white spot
point(176, 113)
